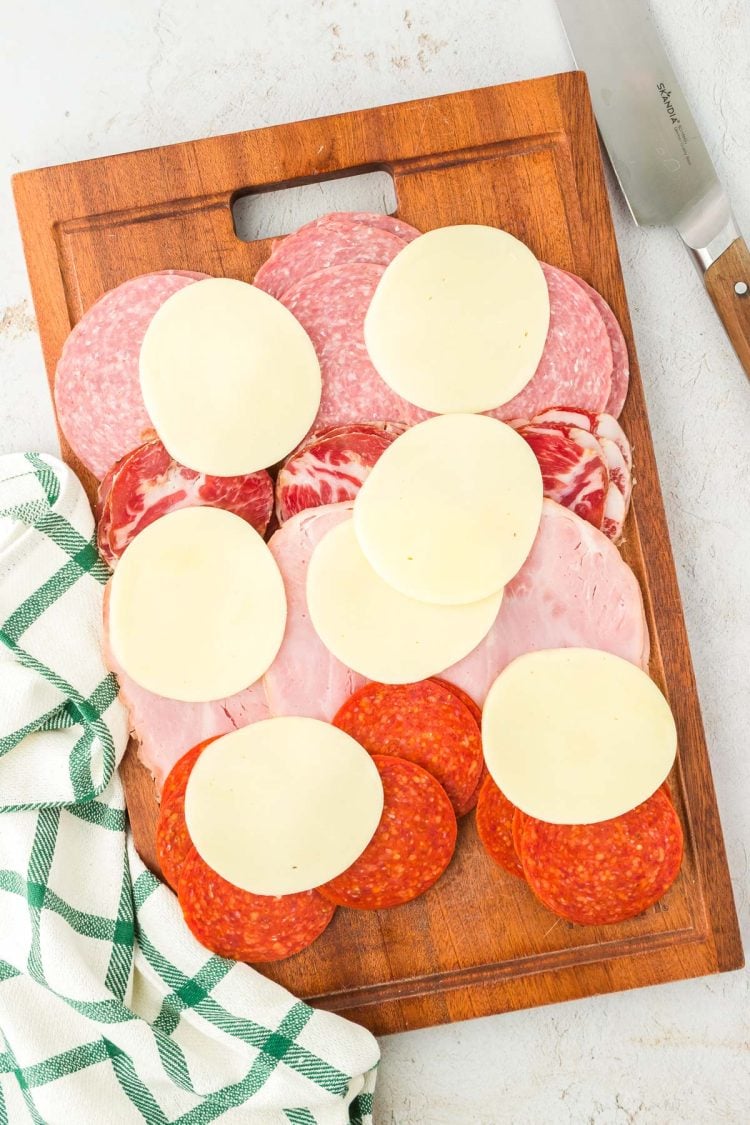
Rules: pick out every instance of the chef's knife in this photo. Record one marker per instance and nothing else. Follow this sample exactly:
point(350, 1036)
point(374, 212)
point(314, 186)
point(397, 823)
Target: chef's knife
point(657, 153)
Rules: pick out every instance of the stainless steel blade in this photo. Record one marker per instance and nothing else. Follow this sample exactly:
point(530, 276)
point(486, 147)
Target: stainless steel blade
point(653, 142)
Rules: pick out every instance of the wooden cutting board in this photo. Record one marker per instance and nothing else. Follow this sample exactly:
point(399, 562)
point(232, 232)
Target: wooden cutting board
point(524, 157)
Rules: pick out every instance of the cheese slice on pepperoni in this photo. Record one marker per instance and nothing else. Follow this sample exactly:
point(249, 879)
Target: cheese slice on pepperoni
point(197, 607)
point(450, 510)
point(230, 378)
point(576, 736)
point(283, 805)
point(459, 319)
point(379, 632)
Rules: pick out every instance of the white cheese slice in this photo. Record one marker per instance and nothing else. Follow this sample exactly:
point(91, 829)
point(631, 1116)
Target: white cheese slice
point(459, 319)
point(576, 736)
point(450, 511)
point(379, 632)
point(197, 606)
point(229, 377)
point(283, 805)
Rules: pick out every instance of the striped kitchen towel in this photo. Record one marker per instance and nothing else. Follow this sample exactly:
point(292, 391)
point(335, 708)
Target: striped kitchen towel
point(110, 1011)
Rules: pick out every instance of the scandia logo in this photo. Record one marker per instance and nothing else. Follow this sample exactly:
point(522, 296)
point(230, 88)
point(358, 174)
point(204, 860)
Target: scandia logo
point(666, 96)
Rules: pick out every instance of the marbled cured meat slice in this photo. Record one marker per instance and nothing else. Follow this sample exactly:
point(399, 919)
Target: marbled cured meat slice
point(574, 472)
point(620, 361)
point(619, 491)
point(330, 469)
point(147, 483)
point(97, 388)
point(305, 678)
point(412, 845)
point(599, 874)
point(331, 306)
point(576, 364)
point(574, 590)
point(247, 927)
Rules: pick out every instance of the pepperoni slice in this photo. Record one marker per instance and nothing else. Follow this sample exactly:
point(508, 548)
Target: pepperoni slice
point(597, 874)
point(147, 483)
point(423, 723)
point(411, 848)
point(476, 711)
point(574, 470)
point(329, 470)
point(495, 815)
point(173, 842)
point(516, 828)
point(247, 927)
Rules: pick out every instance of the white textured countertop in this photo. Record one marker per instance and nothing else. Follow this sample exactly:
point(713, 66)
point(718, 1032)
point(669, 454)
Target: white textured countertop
point(92, 77)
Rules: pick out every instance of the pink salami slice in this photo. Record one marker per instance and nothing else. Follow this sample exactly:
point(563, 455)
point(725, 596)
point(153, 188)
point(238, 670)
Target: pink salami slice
point(574, 590)
point(576, 364)
point(574, 471)
point(331, 306)
point(305, 678)
point(148, 483)
point(402, 230)
point(97, 391)
point(328, 470)
point(620, 361)
point(316, 247)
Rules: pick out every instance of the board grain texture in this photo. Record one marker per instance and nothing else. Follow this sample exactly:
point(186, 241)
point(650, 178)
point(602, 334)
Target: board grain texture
point(524, 157)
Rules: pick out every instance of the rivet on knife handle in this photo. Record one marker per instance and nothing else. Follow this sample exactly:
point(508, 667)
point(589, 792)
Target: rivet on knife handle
point(728, 283)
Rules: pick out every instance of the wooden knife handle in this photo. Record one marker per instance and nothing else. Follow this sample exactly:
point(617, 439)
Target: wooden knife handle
point(728, 283)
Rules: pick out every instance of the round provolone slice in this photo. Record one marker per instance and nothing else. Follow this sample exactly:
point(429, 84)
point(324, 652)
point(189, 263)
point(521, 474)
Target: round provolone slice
point(197, 606)
point(459, 319)
point(229, 377)
point(576, 736)
point(379, 632)
point(451, 509)
point(283, 805)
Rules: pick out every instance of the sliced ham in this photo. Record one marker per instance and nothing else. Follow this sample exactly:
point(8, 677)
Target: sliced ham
point(305, 678)
point(573, 590)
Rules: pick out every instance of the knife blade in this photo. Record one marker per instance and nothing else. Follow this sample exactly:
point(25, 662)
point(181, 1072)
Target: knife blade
point(656, 150)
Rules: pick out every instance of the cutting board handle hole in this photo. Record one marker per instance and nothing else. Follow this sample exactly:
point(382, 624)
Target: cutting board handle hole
point(270, 214)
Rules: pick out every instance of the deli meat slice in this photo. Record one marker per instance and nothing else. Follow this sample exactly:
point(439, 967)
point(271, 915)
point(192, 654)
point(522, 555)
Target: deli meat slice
point(574, 590)
point(576, 364)
point(412, 845)
point(620, 361)
point(574, 471)
point(97, 389)
point(337, 241)
point(305, 678)
point(243, 926)
point(331, 306)
point(331, 468)
point(598, 874)
point(147, 483)
point(402, 230)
